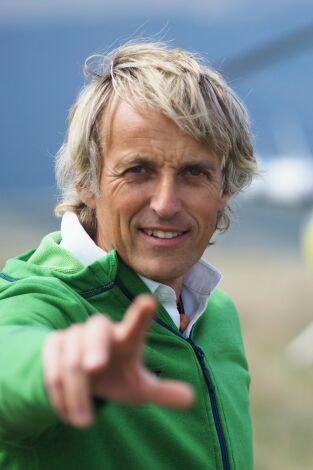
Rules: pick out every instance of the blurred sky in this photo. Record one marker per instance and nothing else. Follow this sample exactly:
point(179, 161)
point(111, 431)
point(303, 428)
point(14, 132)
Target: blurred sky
point(43, 45)
point(221, 10)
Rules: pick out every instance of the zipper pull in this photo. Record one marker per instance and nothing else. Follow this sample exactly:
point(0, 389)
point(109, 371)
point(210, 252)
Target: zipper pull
point(200, 354)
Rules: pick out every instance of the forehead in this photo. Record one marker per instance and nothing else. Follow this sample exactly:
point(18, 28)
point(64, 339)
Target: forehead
point(137, 130)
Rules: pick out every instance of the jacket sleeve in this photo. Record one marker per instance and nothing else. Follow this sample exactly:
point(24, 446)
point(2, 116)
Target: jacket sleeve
point(29, 312)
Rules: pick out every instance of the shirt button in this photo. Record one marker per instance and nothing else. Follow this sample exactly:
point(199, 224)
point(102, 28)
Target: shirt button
point(162, 296)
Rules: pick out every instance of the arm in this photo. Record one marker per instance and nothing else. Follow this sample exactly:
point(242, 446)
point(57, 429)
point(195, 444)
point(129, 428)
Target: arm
point(29, 313)
point(50, 367)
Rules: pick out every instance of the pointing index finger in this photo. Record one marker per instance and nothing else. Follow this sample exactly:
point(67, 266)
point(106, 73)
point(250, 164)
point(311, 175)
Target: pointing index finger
point(137, 319)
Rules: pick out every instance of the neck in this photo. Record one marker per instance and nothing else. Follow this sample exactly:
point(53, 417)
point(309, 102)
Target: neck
point(177, 285)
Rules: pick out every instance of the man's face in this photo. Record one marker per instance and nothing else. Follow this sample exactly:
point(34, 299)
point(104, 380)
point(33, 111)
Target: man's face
point(160, 194)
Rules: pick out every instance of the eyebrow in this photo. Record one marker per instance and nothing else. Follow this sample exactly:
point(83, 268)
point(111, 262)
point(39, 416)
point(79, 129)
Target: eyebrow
point(134, 160)
point(151, 161)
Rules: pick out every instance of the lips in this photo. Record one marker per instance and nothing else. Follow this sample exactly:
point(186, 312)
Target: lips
point(162, 234)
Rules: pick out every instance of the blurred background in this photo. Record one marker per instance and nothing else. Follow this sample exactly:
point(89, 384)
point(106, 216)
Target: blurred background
point(265, 51)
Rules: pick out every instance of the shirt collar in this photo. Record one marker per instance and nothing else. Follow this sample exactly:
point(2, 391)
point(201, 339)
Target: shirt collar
point(77, 241)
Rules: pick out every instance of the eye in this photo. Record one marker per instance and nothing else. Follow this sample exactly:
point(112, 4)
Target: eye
point(195, 171)
point(138, 169)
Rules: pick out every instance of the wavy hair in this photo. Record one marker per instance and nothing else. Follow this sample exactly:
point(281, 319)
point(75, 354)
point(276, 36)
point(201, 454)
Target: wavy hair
point(173, 81)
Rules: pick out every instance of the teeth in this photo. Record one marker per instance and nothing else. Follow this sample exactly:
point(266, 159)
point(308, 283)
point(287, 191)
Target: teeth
point(161, 234)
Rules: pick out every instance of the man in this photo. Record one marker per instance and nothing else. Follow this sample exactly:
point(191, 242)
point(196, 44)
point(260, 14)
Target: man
point(157, 144)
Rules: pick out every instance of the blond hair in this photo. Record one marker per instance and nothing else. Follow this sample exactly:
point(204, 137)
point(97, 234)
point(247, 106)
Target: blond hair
point(173, 81)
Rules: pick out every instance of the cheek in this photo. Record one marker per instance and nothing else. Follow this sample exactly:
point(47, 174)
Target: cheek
point(130, 204)
point(206, 215)
point(118, 212)
point(203, 205)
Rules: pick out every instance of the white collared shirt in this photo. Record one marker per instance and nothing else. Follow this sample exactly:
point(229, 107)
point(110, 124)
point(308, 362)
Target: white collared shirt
point(198, 283)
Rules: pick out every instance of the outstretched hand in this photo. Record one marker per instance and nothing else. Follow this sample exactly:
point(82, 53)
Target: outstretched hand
point(104, 359)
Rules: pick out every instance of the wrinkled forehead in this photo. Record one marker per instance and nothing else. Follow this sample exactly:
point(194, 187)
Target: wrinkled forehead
point(146, 136)
point(124, 119)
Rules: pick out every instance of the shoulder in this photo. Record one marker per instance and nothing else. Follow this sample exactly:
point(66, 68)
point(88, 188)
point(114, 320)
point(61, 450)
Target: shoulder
point(221, 313)
point(39, 299)
point(220, 300)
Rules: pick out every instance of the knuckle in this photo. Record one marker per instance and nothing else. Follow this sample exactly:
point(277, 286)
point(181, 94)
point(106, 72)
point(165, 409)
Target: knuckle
point(54, 381)
point(74, 330)
point(100, 320)
point(73, 363)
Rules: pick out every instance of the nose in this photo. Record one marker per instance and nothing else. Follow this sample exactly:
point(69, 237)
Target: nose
point(165, 201)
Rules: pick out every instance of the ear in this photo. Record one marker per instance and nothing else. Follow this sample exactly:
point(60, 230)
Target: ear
point(224, 200)
point(86, 196)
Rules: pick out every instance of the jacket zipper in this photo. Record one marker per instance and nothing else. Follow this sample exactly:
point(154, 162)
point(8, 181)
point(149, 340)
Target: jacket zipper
point(207, 377)
point(216, 416)
point(211, 388)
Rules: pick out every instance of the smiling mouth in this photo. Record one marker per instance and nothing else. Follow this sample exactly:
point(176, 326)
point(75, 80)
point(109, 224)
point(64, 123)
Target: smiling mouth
point(161, 234)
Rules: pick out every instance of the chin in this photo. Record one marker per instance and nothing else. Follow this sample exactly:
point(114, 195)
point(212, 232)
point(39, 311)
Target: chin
point(161, 273)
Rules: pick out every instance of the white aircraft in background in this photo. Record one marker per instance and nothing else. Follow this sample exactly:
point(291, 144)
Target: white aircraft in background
point(284, 180)
point(287, 177)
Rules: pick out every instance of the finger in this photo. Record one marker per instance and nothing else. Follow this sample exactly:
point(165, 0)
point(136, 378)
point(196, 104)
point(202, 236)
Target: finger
point(52, 355)
point(168, 393)
point(97, 343)
point(76, 380)
point(134, 326)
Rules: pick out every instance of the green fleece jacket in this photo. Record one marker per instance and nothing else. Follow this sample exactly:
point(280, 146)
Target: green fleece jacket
point(48, 289)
